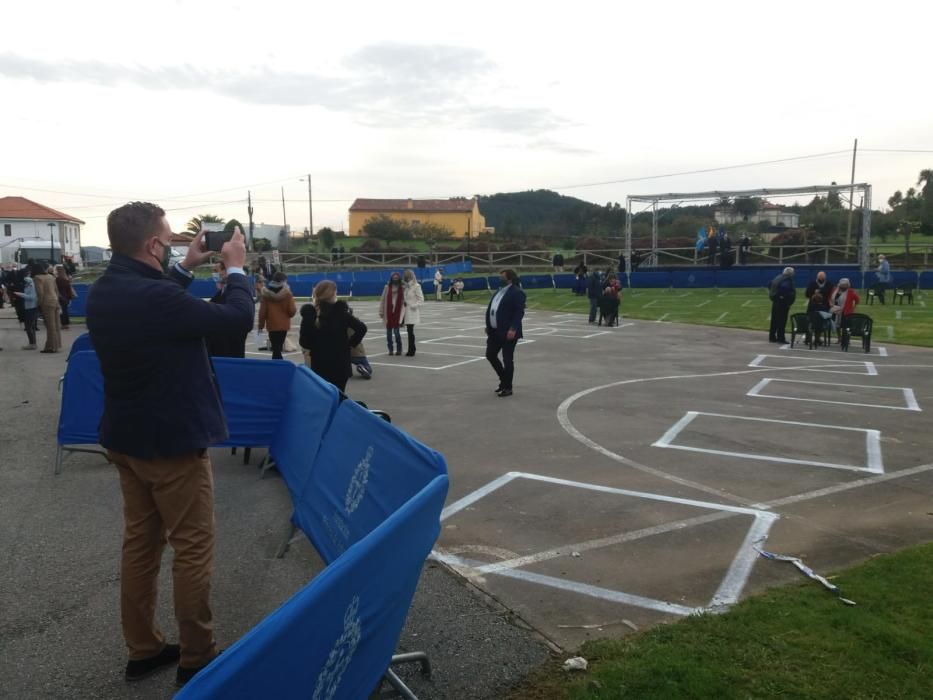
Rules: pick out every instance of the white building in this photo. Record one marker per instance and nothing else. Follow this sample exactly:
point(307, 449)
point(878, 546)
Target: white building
point(22, 219)
point(770, 213)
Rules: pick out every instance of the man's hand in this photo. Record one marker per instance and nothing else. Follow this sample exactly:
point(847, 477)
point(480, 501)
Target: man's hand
point(234, 251)
point(510, 335)
point(197, 253)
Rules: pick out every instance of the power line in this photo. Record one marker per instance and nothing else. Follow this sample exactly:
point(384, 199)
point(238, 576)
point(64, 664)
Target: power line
point(193, 206)
point(897, 150)
point(702, 171)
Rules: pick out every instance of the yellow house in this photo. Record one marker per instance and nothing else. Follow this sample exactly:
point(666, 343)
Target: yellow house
point(459, 214)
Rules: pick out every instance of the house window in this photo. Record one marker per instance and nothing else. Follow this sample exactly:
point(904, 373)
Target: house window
point(415, 222)
point(7, 229)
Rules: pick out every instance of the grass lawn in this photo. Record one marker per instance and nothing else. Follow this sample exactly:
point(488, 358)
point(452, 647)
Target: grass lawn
point(739, 308)
point(796, 641)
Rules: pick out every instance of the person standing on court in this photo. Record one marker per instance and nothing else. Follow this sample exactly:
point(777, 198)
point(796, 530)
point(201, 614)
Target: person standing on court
point(782, 294)
point(65, 294)
point(162, 410)
point(414, 300)
point(438, 283)
point(391, 308)
point(276, 309)
point(47, 293)
point(504, 329)
point(328, 331)
point(594, 290)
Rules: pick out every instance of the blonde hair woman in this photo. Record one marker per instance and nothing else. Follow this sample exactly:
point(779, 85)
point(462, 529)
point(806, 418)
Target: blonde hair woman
point(324, 334)
point(411, 314)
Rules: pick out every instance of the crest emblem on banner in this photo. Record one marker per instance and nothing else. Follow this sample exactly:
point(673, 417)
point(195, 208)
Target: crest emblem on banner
point(357, 488)
point(341, 655)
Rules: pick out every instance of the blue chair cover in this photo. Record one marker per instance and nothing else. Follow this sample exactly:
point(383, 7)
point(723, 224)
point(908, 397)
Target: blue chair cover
point(366, 468)
point(254, 394)
point(82, 400)
point(307, 415)
point(334, 639)
point(81, 344)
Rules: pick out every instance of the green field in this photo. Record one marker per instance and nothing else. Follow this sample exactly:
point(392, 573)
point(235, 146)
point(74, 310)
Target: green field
point(797, 641)
point(739, 308)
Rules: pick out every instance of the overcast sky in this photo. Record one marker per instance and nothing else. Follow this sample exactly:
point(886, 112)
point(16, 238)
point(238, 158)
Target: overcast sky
point(186, 103)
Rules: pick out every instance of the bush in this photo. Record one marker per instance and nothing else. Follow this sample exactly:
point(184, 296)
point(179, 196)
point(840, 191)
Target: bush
point(593, 243)
point(370, 245)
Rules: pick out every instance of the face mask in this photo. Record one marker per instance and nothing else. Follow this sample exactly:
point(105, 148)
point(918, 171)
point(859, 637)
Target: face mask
point(215, 276)
point(166, 255)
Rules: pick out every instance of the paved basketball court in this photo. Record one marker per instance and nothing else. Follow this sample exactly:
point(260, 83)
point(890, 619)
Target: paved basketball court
point(635, 469)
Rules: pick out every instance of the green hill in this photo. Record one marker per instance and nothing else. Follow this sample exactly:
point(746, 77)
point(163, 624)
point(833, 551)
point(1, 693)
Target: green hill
point(547, 213)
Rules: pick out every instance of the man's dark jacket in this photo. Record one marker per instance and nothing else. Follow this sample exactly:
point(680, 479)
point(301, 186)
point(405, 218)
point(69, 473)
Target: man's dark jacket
point(226, 344)
point(781, 290)
point(160, 394)
point(509, 314)
point(814, 286)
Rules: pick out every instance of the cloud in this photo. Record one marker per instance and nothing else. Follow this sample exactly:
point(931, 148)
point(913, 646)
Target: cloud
point(381, 85)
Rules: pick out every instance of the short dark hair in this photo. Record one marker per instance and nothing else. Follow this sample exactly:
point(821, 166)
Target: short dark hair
point(279, 277)
point(129, 226)
point(511, 275)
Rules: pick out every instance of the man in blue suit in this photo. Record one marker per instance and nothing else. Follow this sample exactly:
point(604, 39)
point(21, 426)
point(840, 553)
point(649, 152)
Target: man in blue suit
point(162, 410)
point(504, 328)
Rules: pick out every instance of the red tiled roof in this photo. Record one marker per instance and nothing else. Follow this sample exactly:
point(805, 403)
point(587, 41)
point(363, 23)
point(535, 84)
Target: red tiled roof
point(458, 204)
point(22, 208)
point(182, 238)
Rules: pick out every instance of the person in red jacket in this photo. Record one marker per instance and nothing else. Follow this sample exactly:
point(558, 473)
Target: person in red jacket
point(842, 303)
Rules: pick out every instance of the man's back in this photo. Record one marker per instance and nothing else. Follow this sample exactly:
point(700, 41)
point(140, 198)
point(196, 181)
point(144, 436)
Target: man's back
point(160, 394)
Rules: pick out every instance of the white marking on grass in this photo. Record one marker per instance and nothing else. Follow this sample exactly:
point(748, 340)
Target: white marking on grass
point(747, 302)
point(708, 301)
point(662, 318)
point(890, 331)
point(650, 303)
point(721, 316)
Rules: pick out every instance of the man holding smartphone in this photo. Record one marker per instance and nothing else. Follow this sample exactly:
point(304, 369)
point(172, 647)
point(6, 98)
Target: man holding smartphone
point(162, 410)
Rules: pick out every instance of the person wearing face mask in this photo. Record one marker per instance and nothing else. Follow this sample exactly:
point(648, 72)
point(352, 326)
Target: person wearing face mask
point(224, 344)
point(162, 410)
point(821, 284)
point(391, 311)
point(328, 332)
point(276, 309)
point(414, 300)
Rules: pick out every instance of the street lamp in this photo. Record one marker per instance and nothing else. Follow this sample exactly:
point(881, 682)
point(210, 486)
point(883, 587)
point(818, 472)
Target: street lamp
point(52, 242)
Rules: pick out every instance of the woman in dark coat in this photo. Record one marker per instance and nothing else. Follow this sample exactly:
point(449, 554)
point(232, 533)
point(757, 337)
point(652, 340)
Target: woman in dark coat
point(324, 326)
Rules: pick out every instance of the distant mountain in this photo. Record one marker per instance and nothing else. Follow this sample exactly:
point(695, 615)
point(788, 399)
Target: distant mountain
point(547, 213)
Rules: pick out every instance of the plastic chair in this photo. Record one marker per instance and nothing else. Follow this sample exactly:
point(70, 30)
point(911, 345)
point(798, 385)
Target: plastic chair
point(876, 291)
point(800, 325)
point(905, 291)
point(858, 325)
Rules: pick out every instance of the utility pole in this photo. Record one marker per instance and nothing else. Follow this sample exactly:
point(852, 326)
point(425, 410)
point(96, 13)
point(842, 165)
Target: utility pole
point(310, 208)
point(284, 222)
point(249, 209)
point(851, 197)
point(51, 243)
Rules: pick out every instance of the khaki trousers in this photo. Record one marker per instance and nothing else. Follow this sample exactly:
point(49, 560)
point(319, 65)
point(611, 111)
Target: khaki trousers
point(167, 499)
point(53, 327)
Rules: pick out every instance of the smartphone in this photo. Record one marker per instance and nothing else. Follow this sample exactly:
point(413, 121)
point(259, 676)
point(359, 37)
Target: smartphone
point(214, 240)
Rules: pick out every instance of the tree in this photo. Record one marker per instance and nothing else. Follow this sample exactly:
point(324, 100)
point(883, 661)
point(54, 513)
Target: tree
point(232, 224)
point(385, 228)
point(926, 212)
point(327, 236)
point(747, 206)
point(724, 202)
point(194, 225)
point(832, 200)
point(895, 200)
point(261, 245)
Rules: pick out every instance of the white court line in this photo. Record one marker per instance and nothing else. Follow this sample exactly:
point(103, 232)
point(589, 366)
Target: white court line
point(890, 331)
point(572, 586)
point(569, 303)
point(870, 369)
point(747, 303)
point(721, 316)
point(432, 369)
point(650, 303)
point(909, 398)
point(881, 349)
point(897, 315)
point(662, 318)
point(731, 587)
point(872, 443)
point(728, 592)
point(708, 301)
